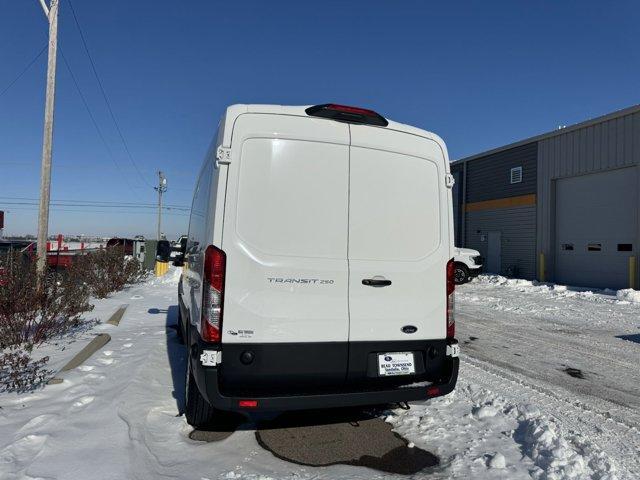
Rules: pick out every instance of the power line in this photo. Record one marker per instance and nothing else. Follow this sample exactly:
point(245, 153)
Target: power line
point(19, 76)
point(78, 205)
point(95, 124)
point(124, 212)
point(96, 202)
point(104, 94)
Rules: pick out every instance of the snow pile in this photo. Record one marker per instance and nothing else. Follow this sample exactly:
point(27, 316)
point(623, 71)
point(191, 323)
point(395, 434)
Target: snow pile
point(510, 282)
point(497, 461)
point(485, 411)
point(531, 286)
point(628, 295)
point(479, 434)
point(170, 278)
point(559, 291)
point(558, 456)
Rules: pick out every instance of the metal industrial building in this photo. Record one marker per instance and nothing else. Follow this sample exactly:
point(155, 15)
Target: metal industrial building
point(560, 207)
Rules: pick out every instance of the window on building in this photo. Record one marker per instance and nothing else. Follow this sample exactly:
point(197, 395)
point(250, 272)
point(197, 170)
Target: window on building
point(625, 247)
point(594, 247)
point(567, 246)
point(516, 175)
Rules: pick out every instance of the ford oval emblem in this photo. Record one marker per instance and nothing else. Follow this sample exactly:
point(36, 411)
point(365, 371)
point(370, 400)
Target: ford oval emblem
point(388, 358)
point(409, 329)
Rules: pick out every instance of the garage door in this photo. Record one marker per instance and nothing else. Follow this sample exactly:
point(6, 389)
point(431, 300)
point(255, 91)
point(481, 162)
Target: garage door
point(596, 228)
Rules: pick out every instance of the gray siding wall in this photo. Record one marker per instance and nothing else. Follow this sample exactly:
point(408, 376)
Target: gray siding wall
point(456, 194)
point(611, 144)
point(489, 178)
point(518, 228)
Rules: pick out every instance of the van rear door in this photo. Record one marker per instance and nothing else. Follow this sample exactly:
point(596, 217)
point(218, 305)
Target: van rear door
point(285, 236)
point(398, 238)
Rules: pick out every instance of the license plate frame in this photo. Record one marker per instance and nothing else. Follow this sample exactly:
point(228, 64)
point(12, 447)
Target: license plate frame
point(393, 364)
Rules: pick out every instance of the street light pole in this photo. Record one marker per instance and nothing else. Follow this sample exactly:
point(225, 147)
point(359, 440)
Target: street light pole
point(161, 188)
point(45, 173)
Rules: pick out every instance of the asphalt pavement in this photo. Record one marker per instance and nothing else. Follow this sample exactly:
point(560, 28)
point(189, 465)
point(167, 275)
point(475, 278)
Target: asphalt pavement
point(329, 437)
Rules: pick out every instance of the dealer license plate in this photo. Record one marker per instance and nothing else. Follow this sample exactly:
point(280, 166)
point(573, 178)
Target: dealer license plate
point(398, 363)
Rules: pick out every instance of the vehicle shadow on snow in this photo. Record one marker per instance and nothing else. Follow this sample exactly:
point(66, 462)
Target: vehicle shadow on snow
point(634, 337)
point(176, 354)
point(348, 436)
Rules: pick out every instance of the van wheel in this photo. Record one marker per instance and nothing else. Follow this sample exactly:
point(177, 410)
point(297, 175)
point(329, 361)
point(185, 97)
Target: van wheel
point(199, 413)
point(461, 274)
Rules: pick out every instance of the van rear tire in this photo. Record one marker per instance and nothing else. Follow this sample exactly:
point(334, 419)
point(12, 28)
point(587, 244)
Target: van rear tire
point(198, 412)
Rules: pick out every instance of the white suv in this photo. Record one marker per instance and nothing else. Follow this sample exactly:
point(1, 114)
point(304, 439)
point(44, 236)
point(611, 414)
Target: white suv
point(468, 264)
point(319, 264)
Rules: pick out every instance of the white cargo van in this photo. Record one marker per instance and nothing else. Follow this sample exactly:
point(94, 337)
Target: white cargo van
point(318, 267)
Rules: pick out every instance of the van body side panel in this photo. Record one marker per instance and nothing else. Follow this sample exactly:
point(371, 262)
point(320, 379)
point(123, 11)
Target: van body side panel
point(285, 234)
point(399, 217)
point(201, 226)
point(218, 194)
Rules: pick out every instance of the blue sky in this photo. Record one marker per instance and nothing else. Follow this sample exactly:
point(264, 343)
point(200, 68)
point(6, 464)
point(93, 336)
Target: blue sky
point(480, 74)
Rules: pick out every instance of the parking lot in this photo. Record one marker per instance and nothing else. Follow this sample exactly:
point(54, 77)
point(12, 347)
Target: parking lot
point(536, 398)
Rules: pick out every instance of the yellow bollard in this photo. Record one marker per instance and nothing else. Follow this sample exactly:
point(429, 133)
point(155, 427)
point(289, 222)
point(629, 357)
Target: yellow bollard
point(541, 268)
point(632, 272)
point(161, 268)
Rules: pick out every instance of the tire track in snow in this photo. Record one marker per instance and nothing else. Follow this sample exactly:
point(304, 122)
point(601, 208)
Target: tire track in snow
point(544, 341)
point(551, 336)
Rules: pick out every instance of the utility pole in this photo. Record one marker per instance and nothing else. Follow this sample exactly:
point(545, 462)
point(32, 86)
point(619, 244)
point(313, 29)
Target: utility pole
point(45, 174)
point(161, 188)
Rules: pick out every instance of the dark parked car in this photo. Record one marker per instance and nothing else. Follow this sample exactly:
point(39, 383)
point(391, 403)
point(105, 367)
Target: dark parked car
point(127, 243)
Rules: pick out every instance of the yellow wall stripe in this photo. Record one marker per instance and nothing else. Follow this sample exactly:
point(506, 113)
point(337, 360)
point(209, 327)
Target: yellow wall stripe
point(519, 201)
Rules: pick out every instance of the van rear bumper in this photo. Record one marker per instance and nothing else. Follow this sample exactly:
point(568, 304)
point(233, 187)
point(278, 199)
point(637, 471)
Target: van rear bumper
point(349, 399)
point(209, 383)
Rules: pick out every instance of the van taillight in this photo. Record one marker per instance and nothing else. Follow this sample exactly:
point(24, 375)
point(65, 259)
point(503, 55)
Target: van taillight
point(213, 294)
point(451, 287)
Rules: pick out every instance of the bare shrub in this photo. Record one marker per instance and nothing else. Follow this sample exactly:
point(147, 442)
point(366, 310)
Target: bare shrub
point(18, 292)
point(62, 302)
point(33, 311)
point(106, 271)
point(35, 308)
point(19, 373)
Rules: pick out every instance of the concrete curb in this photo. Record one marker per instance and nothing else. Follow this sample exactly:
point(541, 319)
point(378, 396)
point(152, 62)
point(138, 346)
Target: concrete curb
point(117, 316)
point(93, 346)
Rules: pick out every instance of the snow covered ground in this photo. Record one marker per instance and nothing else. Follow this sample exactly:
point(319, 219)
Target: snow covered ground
point(516, 413)
point(573, 354)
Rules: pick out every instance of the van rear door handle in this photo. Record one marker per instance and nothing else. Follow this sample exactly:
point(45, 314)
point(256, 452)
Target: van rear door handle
point(376, 282)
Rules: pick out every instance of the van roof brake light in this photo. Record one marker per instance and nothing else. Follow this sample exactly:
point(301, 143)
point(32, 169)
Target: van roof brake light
point(344, 113)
